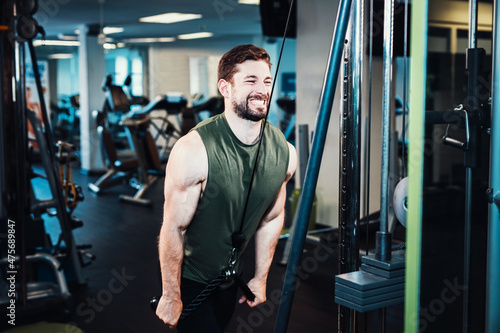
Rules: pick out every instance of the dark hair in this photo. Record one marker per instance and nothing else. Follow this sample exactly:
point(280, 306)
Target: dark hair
point(238, 55)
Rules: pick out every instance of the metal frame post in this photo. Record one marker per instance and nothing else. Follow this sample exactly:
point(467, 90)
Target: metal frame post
point(349, 157)
point(474, 103)
point(313, 165)
point(20, 158)
point(493, 259)
point(418, 68)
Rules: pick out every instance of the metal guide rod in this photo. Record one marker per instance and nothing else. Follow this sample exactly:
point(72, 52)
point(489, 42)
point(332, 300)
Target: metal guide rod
point(493, 257)
point(418, 65)
point(472, 24)
point(355, 118)
point(383, 251)
point(368, 131)
point(405, 91)
point(313, 165)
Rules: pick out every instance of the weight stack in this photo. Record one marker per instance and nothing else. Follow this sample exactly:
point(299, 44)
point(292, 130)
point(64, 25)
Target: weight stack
point(377, 285)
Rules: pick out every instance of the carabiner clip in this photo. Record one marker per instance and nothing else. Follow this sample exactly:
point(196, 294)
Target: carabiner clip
point(230, 271)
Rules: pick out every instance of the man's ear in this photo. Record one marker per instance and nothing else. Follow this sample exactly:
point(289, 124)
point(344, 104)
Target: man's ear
point(224, 88)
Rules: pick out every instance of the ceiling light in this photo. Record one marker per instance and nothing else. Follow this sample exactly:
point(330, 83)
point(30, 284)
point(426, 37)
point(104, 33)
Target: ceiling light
point(170, 18)
point(249, 2)
point(149, 40)
point(112, 30)
point(67, 37)
point(56, 42)
point(60, 56)
point(109, 46)
point(196, 35)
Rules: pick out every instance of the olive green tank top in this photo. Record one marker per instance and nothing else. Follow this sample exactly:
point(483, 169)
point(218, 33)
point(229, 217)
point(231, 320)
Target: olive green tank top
point(220, 209)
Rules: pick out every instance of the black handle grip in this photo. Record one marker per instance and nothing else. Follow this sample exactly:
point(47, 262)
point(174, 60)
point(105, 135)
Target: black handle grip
point(154, 302)
point(248, 293)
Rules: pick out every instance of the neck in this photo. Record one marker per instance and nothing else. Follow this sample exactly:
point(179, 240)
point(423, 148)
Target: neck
point(246, 131)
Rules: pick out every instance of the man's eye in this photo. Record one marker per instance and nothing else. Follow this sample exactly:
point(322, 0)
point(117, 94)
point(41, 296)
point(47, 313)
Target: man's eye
point(250, 81)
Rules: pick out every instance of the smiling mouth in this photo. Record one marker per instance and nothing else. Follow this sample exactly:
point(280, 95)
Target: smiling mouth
point(257, 102)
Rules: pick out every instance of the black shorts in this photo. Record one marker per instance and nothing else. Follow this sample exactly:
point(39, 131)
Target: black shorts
point(213, 315)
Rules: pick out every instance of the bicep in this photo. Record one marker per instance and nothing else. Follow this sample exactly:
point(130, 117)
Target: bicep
point(278, 207)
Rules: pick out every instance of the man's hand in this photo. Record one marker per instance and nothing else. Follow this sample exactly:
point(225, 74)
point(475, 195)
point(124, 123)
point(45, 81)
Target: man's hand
point(258, 287)
point(169, 311)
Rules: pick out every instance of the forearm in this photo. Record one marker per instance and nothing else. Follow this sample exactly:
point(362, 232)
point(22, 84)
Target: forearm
point(171, 253)
point(266, 239)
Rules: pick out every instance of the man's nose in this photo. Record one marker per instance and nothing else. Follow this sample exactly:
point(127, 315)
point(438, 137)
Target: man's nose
point(262, 89)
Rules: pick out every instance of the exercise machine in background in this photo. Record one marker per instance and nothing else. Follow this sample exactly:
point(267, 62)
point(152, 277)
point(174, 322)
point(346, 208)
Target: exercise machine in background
point(40, 268)
point(287, 123)
point(200, 111)
point(148, 132)
point(165, 108)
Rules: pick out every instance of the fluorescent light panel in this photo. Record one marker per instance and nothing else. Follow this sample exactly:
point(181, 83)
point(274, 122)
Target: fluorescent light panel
point(67, 37)
point(111, 30)
point(109, 46)
point(149, 40)
point(60, 56)
point(249, 2)
point(196, 35)
point(56, 42)
point(170, 18)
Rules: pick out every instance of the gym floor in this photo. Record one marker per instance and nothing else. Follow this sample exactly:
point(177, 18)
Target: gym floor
point(124, 275)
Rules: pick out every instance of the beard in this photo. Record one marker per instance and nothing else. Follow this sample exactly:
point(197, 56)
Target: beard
point(244, 111)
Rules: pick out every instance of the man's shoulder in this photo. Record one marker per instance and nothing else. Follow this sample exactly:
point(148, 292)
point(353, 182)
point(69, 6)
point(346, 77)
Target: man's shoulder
point(188, 157)
point(190, 144)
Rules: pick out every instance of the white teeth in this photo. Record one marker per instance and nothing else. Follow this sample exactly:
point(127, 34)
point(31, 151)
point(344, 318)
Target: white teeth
point(257, 102)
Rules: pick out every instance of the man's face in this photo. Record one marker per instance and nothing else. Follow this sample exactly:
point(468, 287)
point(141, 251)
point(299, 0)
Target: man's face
point(251, 89)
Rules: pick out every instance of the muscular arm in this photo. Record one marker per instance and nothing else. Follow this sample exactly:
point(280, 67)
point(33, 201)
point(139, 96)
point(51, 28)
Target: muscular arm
point(267, 236)
point(185, 173)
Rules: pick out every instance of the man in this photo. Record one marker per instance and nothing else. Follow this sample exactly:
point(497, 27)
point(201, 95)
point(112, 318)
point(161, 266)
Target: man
point(206, 186)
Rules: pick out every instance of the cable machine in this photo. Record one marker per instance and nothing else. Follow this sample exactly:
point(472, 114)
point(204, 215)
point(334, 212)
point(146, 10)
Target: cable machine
point(397, 276)
point(377, 280)
point(27, 254)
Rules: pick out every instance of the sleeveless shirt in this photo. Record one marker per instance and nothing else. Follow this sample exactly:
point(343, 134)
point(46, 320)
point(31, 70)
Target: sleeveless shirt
point(219, 212)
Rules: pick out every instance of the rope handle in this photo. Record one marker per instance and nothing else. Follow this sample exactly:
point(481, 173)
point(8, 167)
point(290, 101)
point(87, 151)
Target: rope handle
point(209, 289)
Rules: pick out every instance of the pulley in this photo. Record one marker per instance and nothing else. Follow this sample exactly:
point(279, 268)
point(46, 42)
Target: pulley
point(399, 200)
